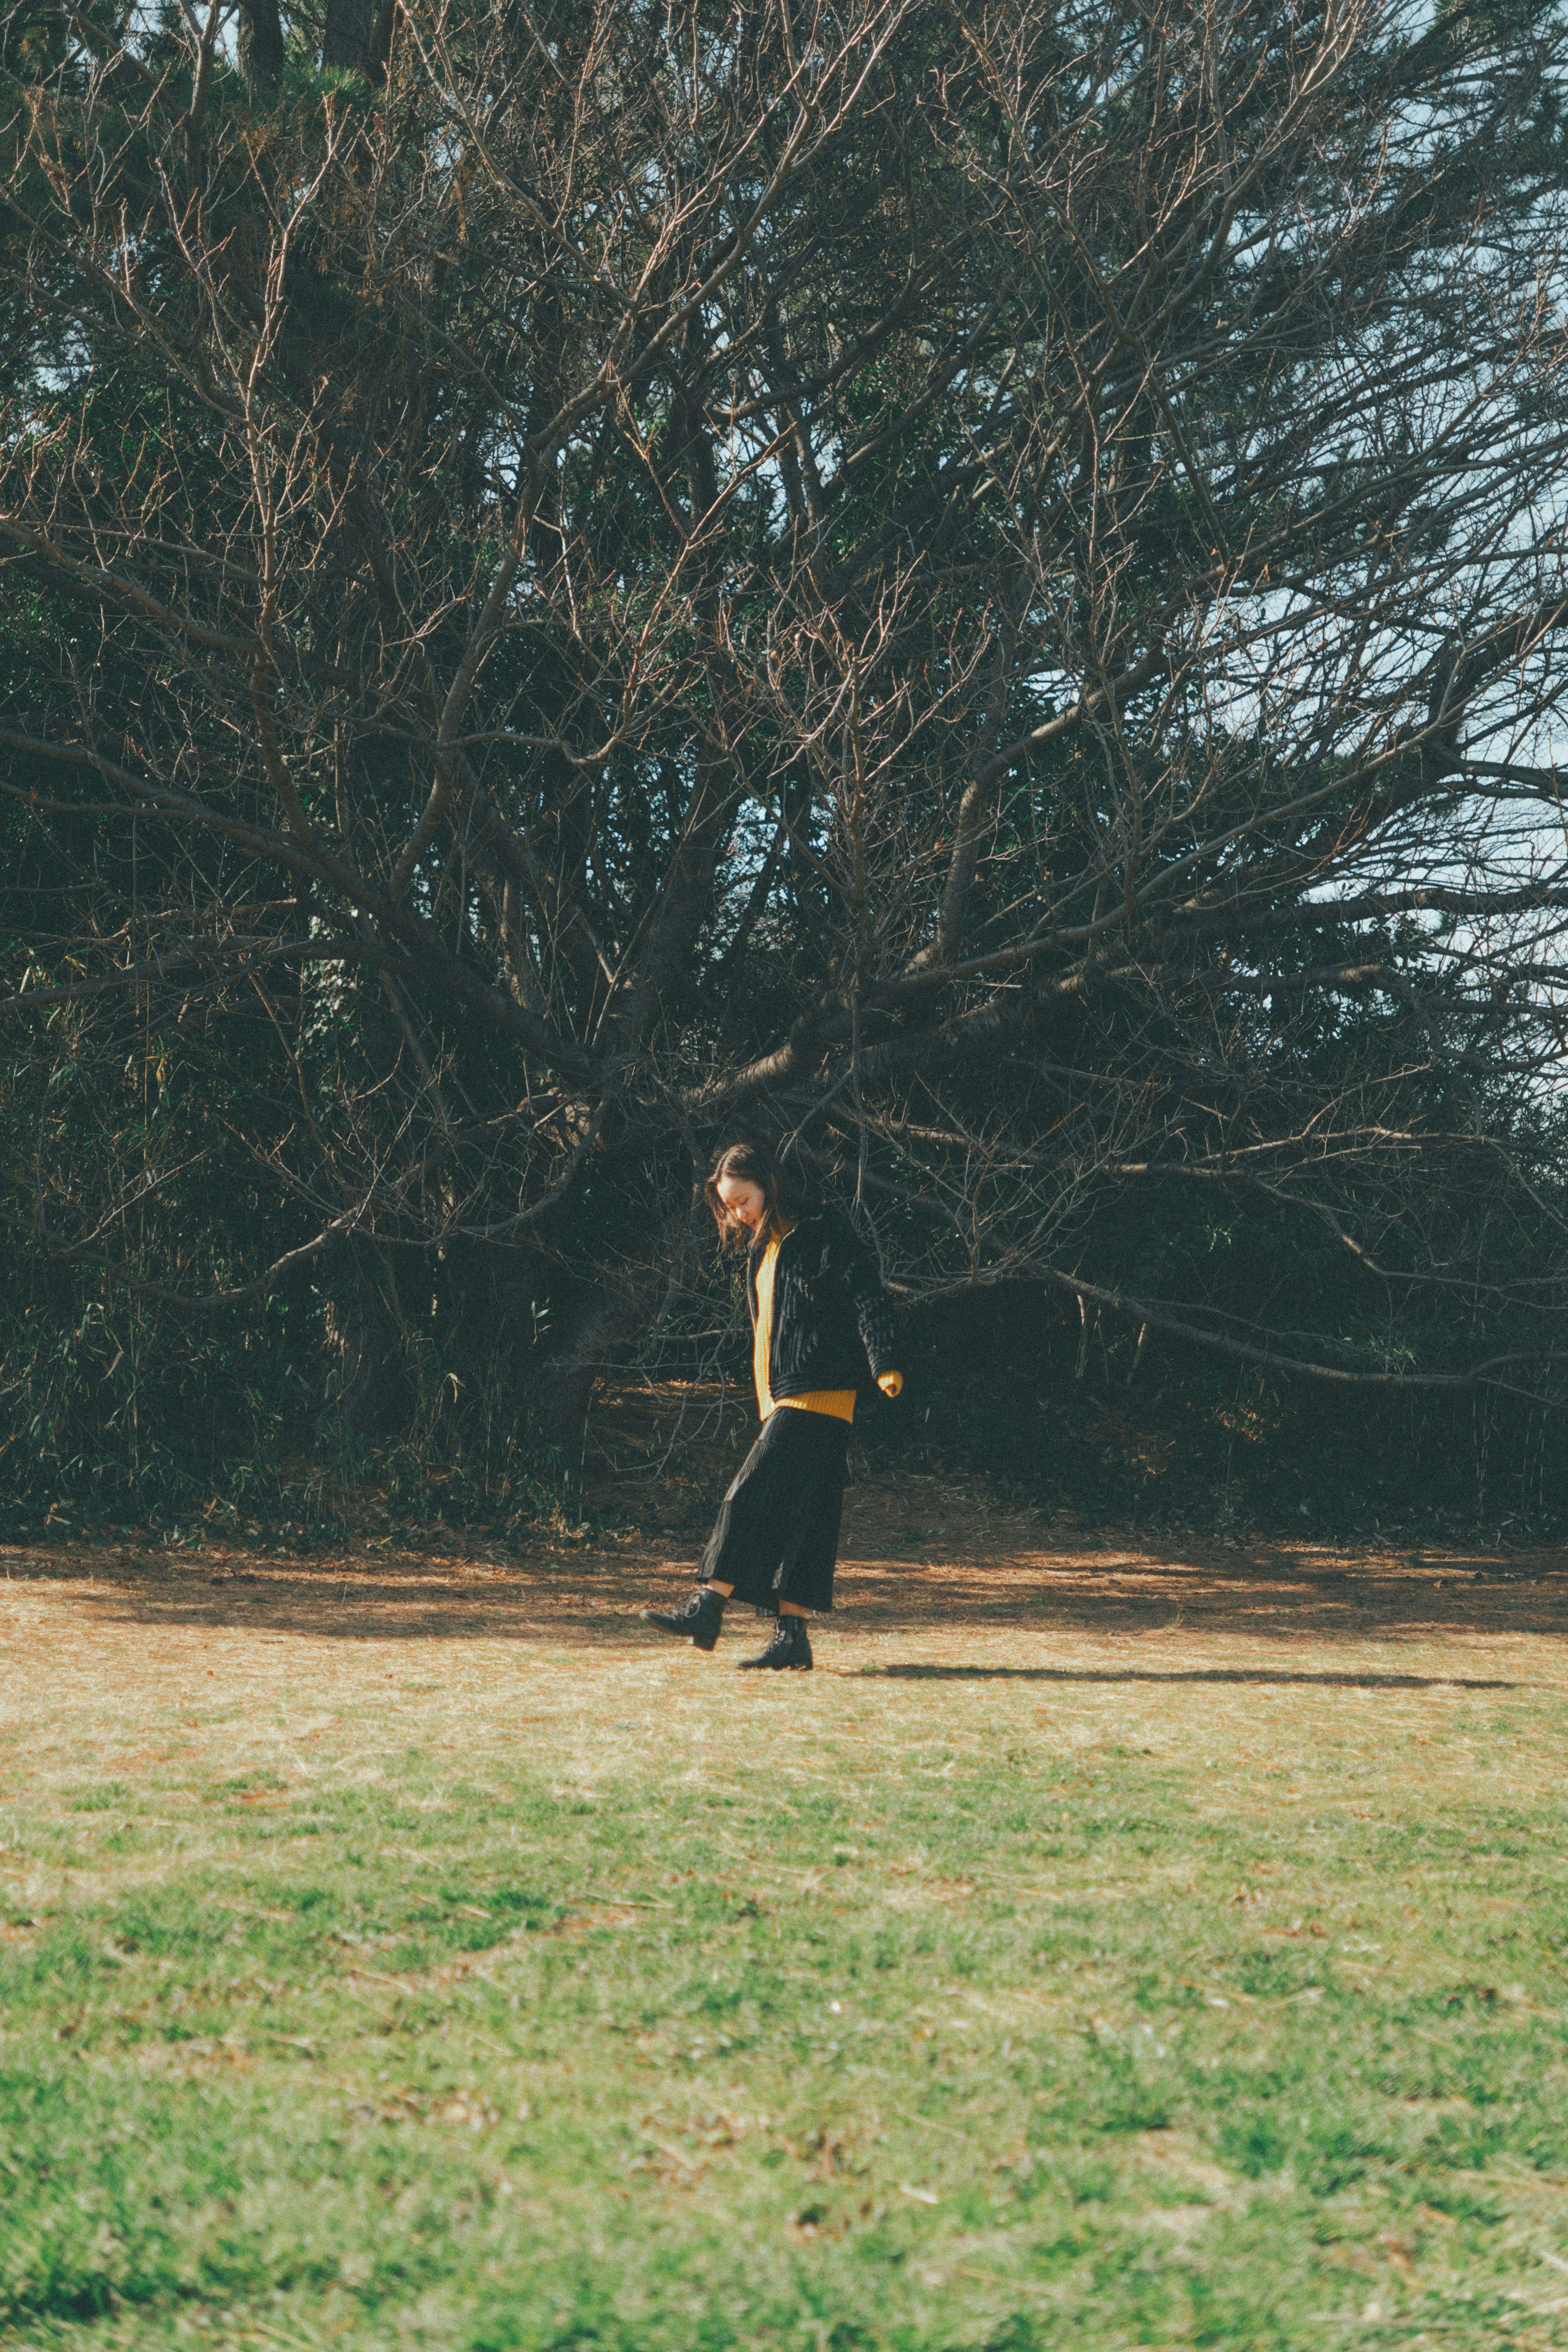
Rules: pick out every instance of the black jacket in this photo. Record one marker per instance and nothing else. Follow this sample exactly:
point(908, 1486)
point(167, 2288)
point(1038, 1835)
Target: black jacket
point(831, 1313)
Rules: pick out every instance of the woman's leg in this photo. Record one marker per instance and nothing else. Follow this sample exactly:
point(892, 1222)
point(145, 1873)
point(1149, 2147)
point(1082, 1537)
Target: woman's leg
point(804, 1581)
point(788, 1648)
point(726, 1591)
point(699, 1620)
point(742, 1553)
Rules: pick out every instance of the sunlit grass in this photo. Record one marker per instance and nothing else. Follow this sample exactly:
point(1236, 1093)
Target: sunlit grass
point(487, 1995)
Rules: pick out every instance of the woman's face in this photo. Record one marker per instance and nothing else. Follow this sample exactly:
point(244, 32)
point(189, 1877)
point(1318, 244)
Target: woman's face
point(744, 1199)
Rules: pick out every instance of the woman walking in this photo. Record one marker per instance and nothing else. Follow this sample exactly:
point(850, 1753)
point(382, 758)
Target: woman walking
point(819, 1312)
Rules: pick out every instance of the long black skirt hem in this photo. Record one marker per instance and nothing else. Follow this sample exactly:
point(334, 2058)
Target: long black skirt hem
point(777, 1535)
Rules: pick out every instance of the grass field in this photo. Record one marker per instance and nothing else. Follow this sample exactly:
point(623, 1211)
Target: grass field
point(1102, 1948)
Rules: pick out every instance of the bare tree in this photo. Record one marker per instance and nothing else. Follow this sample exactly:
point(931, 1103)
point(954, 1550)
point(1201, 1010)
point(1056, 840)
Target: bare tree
point(978, 587)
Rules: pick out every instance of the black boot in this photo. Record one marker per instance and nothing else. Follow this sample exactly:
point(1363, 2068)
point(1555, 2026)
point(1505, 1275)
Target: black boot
point(699, 1620)
point(789, 1648)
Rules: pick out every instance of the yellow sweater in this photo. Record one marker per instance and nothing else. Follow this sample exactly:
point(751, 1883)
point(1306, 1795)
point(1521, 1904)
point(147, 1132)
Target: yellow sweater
point(838, 1404)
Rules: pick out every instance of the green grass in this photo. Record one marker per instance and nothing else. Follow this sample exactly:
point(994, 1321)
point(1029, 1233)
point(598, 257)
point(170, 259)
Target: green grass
point(884, 2017)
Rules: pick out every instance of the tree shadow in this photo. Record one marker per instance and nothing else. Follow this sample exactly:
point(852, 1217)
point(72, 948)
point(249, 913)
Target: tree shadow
point(919, 1673)
point(990, 1580)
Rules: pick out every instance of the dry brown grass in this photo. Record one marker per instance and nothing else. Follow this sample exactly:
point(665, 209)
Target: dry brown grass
point(1256, 1662)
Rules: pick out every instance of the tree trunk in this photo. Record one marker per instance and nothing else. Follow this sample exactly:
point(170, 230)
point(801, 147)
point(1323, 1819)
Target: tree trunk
point(366, 1354)
point(601, 1316)
point(379, 55)
point(261, 43)
point(347, 40)
point(487, 1325)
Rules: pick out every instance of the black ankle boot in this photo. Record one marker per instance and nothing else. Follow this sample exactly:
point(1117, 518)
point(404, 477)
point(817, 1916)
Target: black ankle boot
point(699, 1620)
point(789, 1648)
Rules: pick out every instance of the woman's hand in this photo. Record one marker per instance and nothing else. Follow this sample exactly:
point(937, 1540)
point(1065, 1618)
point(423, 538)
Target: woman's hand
point(890, 1383)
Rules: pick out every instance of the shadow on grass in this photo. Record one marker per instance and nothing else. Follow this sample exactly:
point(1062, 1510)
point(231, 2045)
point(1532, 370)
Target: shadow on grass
point(1007, 1581)
point(930, 1673)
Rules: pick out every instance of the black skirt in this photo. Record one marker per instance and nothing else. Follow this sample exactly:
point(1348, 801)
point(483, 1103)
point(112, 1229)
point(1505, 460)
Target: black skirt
point(777, 1535)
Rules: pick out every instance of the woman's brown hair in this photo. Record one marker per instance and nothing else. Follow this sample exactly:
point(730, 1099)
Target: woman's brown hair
point(752, 1163)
